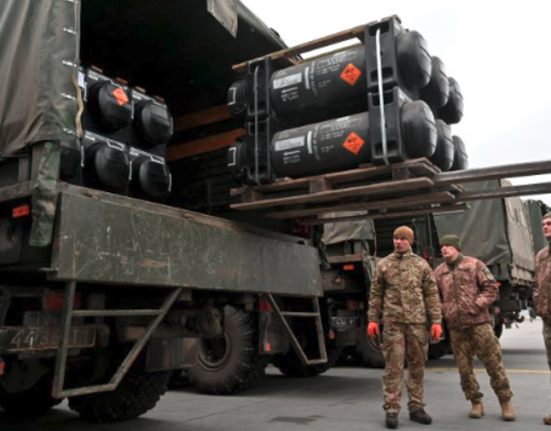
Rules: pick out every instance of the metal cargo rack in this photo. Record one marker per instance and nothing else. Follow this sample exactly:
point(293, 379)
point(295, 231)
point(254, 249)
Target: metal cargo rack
point(410, 188)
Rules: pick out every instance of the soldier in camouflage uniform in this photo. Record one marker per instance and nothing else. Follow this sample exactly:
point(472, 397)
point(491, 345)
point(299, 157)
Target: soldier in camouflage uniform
point(468, 288)
point(403, 289)
point(542, 291)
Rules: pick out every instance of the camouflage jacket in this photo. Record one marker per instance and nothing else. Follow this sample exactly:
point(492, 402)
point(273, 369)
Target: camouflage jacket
point(542, 284)
point(468, 288)
point(404, 290)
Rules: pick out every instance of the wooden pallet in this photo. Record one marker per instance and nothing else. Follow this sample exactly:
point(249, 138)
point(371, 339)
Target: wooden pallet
point(374, 188)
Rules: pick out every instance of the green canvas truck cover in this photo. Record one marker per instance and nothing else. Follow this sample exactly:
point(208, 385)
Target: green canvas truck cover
point(180, 49)
point(496, 231)
point(535, 216)
point(39, 49)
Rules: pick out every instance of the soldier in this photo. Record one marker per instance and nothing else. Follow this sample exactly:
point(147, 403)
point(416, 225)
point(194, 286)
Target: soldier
point(542, 291)
point(404, 290)
point(468, 288)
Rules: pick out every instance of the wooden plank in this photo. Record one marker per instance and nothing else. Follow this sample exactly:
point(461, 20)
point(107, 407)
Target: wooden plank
point(373, 171)
point(391, 215)
point(204, 145)
point(399, 202)
point(306, 47)
point(202, 118)
point(319, 185)
point(494, 173)
point(385, 187)
point(351, 175)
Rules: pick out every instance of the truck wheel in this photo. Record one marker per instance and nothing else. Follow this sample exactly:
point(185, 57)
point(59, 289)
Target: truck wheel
point(138, 393)
point(290, 365)
point(369, 350)
point(31, 403)
point(230, 363)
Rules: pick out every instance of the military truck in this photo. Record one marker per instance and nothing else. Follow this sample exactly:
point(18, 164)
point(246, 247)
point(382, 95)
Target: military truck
point(535, 210)
point(108, 280)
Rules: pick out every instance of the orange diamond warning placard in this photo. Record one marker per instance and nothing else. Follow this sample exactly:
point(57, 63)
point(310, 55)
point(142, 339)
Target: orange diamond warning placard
point(120, 95)
point(353, 143)
point(351, 74)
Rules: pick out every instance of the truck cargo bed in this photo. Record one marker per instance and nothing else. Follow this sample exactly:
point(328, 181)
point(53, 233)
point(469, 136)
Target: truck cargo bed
point(111, 239)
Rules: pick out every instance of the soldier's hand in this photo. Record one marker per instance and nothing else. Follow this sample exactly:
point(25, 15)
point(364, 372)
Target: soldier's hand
point(436, 331)
point(373, 329)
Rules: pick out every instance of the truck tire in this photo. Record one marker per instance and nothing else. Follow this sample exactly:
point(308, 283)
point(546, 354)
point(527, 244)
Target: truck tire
point(229, 364)
point(290, 365)
point(369, 350)
point(31, 403)
point(138, 393)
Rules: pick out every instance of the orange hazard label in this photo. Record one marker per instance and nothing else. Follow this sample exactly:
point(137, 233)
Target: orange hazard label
point(354, 143)
point(120, 95)
point(351, 74)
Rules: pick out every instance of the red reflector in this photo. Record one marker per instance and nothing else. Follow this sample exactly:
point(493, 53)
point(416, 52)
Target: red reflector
point(54, 300)
point(265, 307)
point(498, 284)
point(21, 211)
point(267, 347)
point(348, 267)
point(2, 367)
point(352, 304)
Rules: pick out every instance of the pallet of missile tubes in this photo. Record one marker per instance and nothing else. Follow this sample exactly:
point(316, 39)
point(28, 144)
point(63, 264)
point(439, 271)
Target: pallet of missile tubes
point(314, 139)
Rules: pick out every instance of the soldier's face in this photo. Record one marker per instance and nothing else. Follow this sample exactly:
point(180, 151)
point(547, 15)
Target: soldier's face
point(546, 225)
point(449, 252)
point(401, 244)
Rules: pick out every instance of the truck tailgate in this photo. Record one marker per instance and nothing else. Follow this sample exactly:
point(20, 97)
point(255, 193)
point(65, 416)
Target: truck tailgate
point(104, 238)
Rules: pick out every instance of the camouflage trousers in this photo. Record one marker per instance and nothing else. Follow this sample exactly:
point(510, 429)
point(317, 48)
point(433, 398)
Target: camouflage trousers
point(402, 343)
point(547, 339)
point(481, 341)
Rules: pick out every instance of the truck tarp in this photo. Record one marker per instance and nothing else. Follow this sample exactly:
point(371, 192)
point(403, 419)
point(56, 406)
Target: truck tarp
point(536, 218)
point(334, 233)
point(182, 50)
point(38, 55)
point(495, 231)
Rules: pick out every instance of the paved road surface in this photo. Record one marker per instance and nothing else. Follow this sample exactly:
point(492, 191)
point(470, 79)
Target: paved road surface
point(346, 398)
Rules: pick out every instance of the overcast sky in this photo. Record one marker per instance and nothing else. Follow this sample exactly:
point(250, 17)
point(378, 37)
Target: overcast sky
point(499, 53)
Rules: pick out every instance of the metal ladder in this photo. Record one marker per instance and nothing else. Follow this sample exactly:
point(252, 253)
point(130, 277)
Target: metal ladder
point(58, 390)
point(316, 315)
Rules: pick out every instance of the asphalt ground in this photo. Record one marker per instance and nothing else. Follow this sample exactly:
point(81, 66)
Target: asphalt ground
point(345, 398)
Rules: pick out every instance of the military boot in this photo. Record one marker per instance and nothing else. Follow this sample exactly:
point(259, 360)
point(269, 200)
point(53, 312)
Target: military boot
point(420, 416)
point(392, 421)
point(507, 411)
point(477, 409)
point(547, 420)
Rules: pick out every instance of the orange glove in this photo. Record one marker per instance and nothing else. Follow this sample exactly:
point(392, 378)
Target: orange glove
point(436, 331)
point(373, 329)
